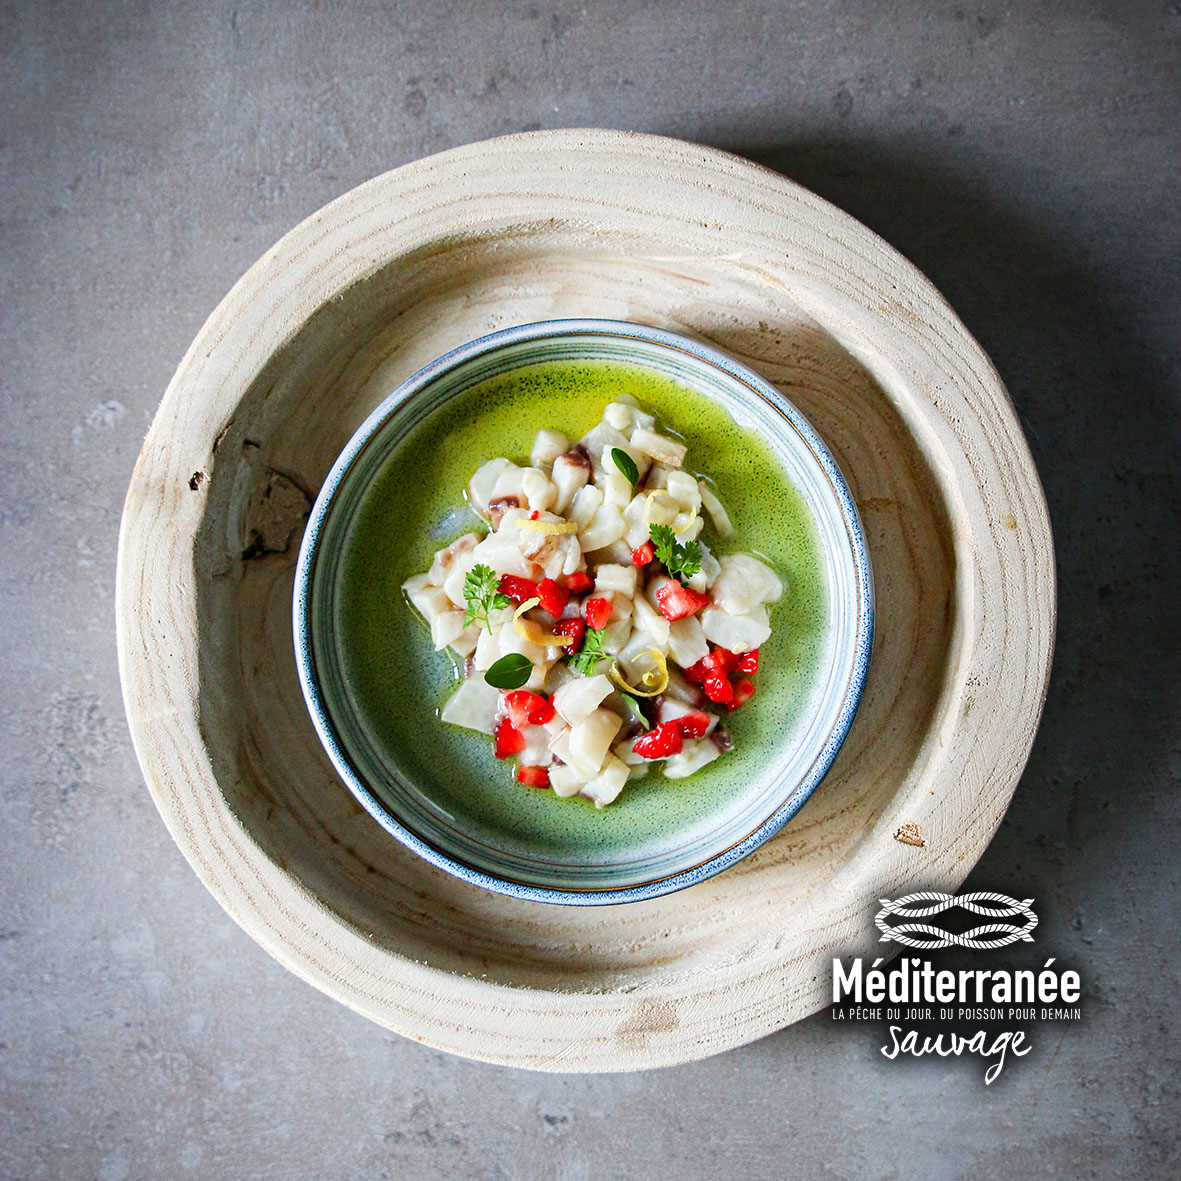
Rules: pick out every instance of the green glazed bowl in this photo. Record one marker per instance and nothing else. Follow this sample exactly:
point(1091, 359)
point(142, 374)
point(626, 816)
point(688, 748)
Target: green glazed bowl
point(437, 789)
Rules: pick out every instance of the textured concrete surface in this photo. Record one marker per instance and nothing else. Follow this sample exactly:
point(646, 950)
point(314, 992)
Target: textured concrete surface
point(1025, 156)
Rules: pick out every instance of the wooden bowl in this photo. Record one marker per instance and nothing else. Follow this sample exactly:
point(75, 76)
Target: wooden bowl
point(534, 227)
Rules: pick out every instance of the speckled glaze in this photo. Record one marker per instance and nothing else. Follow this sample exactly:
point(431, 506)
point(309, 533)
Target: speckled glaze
point(373, 684)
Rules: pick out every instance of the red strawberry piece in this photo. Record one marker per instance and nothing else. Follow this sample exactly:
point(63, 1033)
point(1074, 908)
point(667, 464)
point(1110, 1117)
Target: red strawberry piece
point(509, 740)
point(534, 515)
point(721, 662)
point(571, 627)
point(743, 691)
point(579, 582)
point(517, 589)
point(677, 601)
point(528, 709)
point(598, 612)
point(718, 689)
point(699, 671)
point(665, 740)
point(533, 776)
point(554, 596)
point(643, 555)
point(692, 725)
point(748, 662)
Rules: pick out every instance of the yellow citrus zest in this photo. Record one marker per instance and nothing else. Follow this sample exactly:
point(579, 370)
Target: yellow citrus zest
point(531, 630)
point(648, 504)
point(545, 526)
point(656, 676)
point(664, 492)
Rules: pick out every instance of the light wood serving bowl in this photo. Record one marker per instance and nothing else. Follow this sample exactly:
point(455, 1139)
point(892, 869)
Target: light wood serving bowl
point(532, 227)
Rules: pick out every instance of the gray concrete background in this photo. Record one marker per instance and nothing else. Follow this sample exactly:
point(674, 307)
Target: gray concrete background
point(1024, 155)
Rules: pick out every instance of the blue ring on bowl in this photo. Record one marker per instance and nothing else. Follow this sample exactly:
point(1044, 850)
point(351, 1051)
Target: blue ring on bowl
point(863, 644)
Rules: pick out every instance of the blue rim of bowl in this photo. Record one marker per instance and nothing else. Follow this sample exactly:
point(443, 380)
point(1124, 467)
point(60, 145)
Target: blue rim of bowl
point(305, 569)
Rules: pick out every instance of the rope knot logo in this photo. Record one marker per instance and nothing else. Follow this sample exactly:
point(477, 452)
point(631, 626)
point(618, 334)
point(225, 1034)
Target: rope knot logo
point(928, 937)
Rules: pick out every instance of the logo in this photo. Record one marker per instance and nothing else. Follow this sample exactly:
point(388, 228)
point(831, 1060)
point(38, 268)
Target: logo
point(998, 906)
point(948, 1011)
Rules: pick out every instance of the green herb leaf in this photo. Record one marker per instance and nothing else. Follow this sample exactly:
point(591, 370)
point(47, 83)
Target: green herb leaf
point(635, 707)
point(510, 672)
point(481, 594)
point(681, 561)
point(587, 660)
point(626, 464)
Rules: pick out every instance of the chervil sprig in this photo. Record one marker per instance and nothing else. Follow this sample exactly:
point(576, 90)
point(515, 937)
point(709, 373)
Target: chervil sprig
point(481, 595)
point(681, 560)
point(591, 652)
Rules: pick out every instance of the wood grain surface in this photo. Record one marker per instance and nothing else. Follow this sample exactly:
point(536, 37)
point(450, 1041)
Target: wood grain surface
point(531, 227)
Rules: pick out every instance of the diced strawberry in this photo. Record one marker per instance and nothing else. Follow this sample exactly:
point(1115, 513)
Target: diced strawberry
point(719, 663)
point(743, 691)
point(677, 601)
point(718, 689)
point(643, 555)
point(579, 582)
point(748, 662)
point(528, 709)
point(598, 612)
point(571, 627)
point(517, 589)
point(554, 596)
point(722, 661)
point(509, 740)
point(692, 725)
point(534, 515)
point(533, 776)
point(665, 740)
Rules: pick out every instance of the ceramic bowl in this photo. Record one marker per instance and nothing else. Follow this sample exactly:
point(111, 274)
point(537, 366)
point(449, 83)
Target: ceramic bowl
point(611, 861)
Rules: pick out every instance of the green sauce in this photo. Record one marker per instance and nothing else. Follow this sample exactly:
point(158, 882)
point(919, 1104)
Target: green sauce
point(397, 683)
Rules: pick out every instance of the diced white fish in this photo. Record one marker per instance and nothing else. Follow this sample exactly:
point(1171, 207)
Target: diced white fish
point(428, 599)
point(616, 577)
point(744, 583)
point(547, 446)
point(441, 563)
point(618, 553)
point(660, 447)
point(686, 641)
point(474, 705)
point(538, 489)
point(571, 471)
point(591, 739)
point(604, 789)
point(604, 528)
point(537, 751)
point(600, 439)
point(578, 698)
point(738, 633)
point(633, 518)
point(694, 754)
point(446, 628)
point(583, 507)
point(682, 487)
point(481, 485)
point(648, 619)
point(668, 709)
point(617, 489)
point(615, 635)
point(717, 513)
point(464, 644)
point(566, 780)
